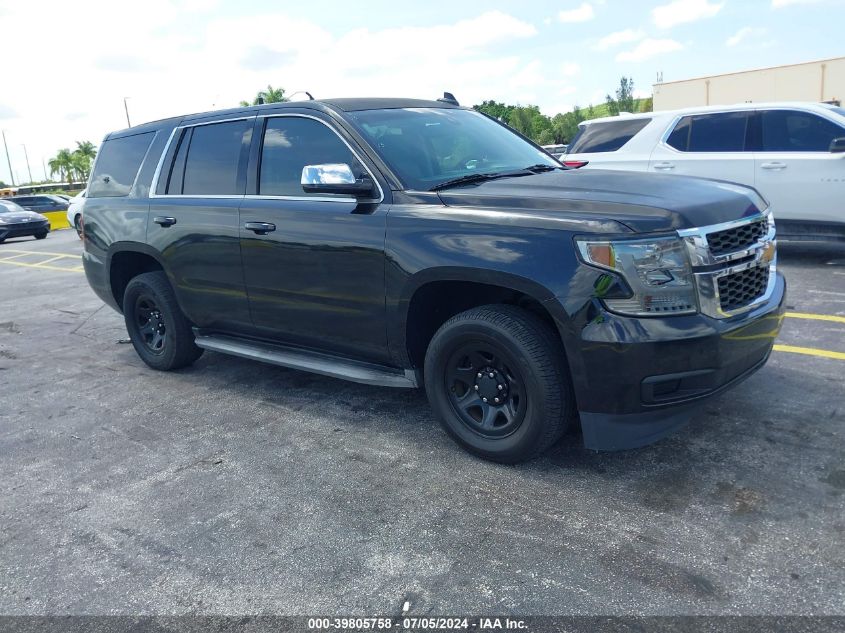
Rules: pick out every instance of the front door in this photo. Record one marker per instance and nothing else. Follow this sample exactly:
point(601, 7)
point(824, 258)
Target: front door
point(314, 265)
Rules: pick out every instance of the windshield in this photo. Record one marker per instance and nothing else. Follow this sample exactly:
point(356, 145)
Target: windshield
point(6, 206)
point(429, 146)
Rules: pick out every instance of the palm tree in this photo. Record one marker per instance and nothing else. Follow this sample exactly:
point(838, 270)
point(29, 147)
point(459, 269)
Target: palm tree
point(271, 95)
point(62, 164)
point(82, 157)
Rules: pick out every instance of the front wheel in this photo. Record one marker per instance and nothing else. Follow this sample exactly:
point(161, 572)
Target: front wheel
point(77, 224)
point(497, 379)
point(159, 331)
point(40, 236)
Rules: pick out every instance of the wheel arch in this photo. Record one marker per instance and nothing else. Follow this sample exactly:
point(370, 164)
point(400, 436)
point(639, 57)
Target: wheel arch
point(432, 297)
point(126, 260)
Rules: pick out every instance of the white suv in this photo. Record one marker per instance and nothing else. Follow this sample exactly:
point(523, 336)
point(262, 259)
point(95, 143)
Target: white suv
point(792, 153)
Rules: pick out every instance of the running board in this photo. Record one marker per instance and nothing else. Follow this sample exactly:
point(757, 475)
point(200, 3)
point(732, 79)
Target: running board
point(314, 362)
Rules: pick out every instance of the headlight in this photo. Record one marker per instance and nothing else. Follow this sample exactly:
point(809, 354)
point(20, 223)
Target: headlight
point(657, 270)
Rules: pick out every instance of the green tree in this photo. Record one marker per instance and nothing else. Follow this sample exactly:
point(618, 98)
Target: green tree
point(82, 158)
point(624, 100)
point(496, 110)
point(62, 164)
point(271, 95)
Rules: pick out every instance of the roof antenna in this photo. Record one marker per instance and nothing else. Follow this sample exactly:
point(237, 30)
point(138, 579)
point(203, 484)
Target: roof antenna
point(448, 97)
point(305, 92)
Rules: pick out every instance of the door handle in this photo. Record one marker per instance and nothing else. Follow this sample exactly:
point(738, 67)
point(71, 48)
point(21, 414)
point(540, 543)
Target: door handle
point(664, 166)
point(775, 166)
point(164, 221)
point(260, 228)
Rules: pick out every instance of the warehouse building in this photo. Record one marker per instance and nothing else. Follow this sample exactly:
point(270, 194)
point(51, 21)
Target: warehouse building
point(811, 81)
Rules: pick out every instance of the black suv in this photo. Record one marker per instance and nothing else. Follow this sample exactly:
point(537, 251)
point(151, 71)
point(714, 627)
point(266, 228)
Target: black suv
point(408, 243)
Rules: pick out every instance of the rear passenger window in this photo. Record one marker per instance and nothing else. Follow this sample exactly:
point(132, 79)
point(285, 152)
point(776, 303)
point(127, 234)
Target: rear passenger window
point(607, 136)
point(793, 131)
point(213, 157)
point(721, 132)
point(117, 165)
point(289, 144)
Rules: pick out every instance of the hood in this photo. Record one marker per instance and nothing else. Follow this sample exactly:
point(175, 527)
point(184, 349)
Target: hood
point(13, 217)
point(642, 202)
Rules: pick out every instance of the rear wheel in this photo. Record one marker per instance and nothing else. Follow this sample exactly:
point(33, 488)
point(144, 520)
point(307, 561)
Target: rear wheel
point(496, 377)
point(40, 236)
point(77, 224)
point(159, 331)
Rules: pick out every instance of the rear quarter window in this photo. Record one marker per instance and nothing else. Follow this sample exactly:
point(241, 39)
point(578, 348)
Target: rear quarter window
point(607, 136)
point(117, 165)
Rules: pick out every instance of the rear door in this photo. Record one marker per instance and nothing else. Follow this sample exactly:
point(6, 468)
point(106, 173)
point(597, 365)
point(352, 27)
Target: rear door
point(193, 221)
point(712, 145)
point(316, 278)
point(796, 171)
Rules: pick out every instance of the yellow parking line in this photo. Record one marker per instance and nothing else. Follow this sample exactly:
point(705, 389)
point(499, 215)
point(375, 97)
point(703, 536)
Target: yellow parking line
point(22, 252)
point(816, 317)
point(13, 256)
point(75, 269)
point(809, 351)
point(52, 259)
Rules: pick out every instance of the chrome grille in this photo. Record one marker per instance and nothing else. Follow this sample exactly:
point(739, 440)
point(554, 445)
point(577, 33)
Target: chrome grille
point(734, 264)
point(737, 238)
point(740, 289)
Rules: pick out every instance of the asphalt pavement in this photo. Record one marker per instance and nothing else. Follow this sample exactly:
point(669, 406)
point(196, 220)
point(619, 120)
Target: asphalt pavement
point(233, 487)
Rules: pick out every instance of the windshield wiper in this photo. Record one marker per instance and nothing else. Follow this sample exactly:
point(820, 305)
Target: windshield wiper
point(483, 177)
point(541, 167)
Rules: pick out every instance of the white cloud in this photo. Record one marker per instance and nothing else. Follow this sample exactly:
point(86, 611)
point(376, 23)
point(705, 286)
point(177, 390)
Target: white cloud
point(188, 62)
point(682, 11)
point(743, 34)
point(569, 69)
point(584, 13)
point(649, 48)
point(779, 4)
point(619, 37)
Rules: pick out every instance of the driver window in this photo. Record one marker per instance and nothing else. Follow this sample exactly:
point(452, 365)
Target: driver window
point(288, 145)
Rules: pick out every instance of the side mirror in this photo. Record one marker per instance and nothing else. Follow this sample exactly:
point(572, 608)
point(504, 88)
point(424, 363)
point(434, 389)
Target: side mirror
point(335, 178)
point(837, 146)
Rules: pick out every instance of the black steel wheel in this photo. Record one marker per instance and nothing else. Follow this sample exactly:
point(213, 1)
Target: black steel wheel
point(77, 225)
point(41, 236)
point(150, 322)
point(159, 331)
point(487, 393)
point(496, 376)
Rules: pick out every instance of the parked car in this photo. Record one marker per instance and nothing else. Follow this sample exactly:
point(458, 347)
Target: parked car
point(15, 221)
point(405, 243)
point(41, 203)
point(557, 151)
point(74, 211)
point(792, 153)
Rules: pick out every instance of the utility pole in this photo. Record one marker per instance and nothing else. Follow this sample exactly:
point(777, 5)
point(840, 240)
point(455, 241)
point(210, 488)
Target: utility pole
point(8, 160)
point(44, 167)
point(126, 108)
point(27, 163)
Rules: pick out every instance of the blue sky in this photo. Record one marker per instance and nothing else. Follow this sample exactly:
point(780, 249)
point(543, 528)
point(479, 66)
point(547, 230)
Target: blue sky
point(175, 56)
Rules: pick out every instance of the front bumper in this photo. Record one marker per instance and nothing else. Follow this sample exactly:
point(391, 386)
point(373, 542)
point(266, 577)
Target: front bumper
point(637, 380)
point(23, 229)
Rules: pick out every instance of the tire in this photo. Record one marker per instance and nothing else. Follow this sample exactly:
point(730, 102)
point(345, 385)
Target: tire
point(40, 236)
point(160, 333)
point(77, 225)
point(530, 376)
